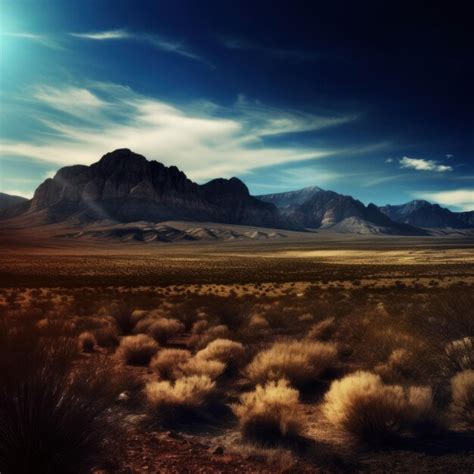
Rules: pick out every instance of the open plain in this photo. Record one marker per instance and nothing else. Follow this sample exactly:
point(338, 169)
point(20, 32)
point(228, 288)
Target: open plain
point(241, 322)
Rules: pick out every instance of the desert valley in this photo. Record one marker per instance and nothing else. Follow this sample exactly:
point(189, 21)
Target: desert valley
point(236, 237)
point(152, 338)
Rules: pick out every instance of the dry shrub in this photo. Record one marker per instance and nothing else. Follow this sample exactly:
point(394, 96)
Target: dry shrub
point(215, 332)
point(223, 350)
point(199, 326)
point(257, 321)
point(362, 405)
point(86, 342)
point(462, 405)
point(398, 364)
point(163, 329)
point(137, 315)
point(167, 362)
point(322, 330)
point(106, 336)
point(137, 350)
point(270, 413)
point(461, 353)
point(197, 366)
point(299, 362)
point(53, 412)
point(186, 393)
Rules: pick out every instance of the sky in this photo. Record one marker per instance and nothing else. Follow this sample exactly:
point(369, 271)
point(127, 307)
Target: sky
point(370, 99)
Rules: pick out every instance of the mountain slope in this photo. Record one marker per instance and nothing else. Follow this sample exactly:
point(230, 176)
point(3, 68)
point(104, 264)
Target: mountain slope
point(9, 200)
point(317, 208)
point(125, 187)
point(425, 214)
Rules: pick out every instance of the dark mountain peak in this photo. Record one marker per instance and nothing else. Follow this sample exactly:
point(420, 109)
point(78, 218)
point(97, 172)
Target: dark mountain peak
point(124, 186)
point(221, 186)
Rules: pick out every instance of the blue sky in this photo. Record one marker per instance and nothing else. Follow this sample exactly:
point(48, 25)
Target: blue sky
point(358, 97)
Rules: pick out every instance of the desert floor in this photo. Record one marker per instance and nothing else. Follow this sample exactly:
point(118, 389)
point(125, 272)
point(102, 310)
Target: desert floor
point(369, 297)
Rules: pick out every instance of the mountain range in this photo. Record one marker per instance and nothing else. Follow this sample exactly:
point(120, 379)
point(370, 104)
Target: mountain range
point(124, 187)
point(421, 213)
point(9, 200)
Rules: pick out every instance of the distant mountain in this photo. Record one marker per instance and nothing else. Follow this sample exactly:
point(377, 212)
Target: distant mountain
point(316, 208)
point(125, 187)
point(291, 198)
point(9, 200)
point(467, 217)
point(425, 214)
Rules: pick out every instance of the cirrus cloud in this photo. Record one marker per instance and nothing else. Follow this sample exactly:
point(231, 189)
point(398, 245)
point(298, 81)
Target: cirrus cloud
point(206, 140)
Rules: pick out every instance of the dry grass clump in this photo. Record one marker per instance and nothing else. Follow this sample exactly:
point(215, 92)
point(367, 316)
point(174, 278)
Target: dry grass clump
point(138, 349)
point(53, 412)
point(322, 330)
point(223, 350)
point(197, 366)
point(220, 331)
point(160, 329)
point(106, 336)
point(397, 365)
point(461, 353)
point(186, 393)
point(167, 362)
point(137, 315)
point(462, 405)
point(299, 362)
point(199, 326)
point(270, 413)
point(86, 342)
point(365, 407)
point(258, 321)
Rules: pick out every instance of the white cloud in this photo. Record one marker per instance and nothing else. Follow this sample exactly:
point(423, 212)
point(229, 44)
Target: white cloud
point(389, 160)
point(44, 40)
point(420, 164)
point(70, 100)
point(449, 156)
point(158, 42)
point(17, 192)
point(462, 199)
point(202, 138)
point(103, 35)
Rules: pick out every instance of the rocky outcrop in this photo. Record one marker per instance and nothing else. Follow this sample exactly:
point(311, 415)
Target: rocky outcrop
point(125, 187)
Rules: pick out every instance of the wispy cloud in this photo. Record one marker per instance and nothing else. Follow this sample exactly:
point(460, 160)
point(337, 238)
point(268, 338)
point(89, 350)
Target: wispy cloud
point(421, 164)
point(203, 138)
point(44, 40)
point(158, 42)
point(462, 199)
point(103, 35)
point(297, 55)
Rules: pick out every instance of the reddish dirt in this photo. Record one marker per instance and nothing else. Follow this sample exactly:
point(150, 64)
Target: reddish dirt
point(155, 452)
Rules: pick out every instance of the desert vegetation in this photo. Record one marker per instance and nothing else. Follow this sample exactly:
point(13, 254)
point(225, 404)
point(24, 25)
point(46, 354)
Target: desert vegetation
point(274, 370)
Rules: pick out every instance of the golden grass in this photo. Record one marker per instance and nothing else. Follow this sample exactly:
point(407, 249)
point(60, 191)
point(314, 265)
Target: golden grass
point(301, 362)
point(270, 413)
